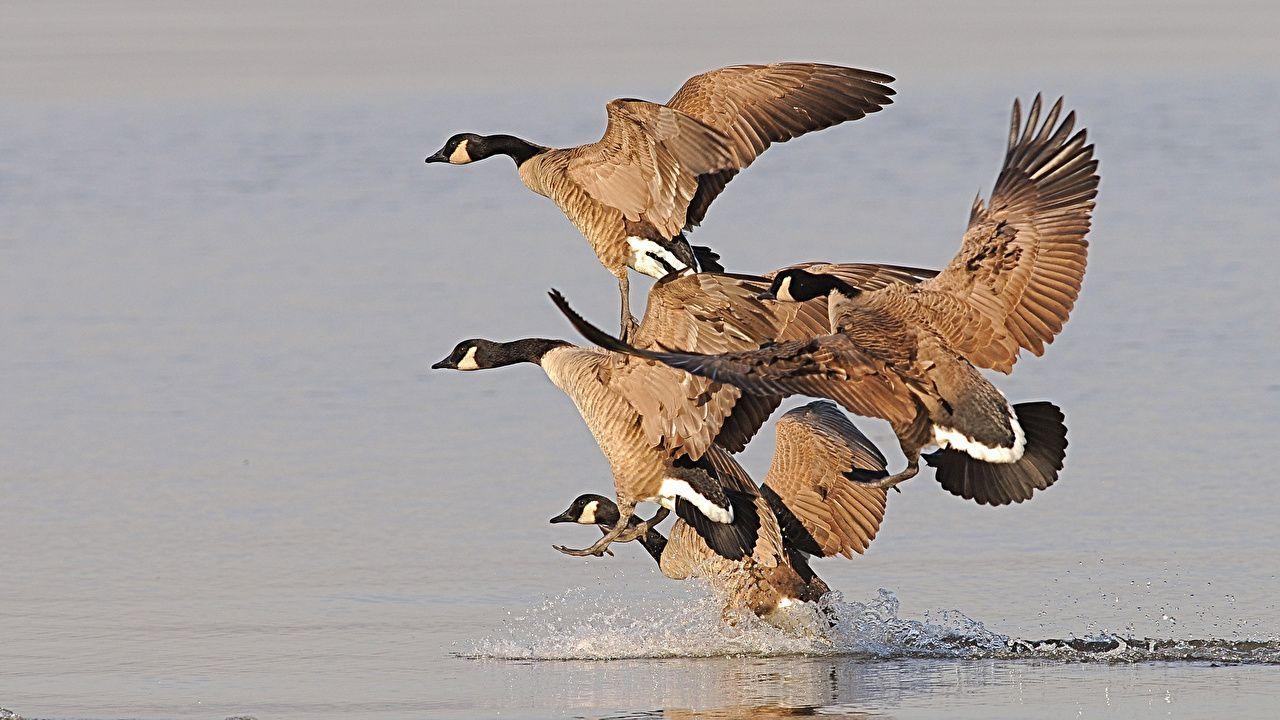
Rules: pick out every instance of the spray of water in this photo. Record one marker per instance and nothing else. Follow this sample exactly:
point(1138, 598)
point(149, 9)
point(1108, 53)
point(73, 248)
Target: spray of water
point(592, 624)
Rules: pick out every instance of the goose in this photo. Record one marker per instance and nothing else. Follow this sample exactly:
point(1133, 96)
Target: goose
point(807, 503)
point(910, 354)
point(651, 177)
point(655, 424)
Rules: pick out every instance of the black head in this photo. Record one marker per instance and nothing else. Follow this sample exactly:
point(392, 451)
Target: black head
point(590, 509)
point(481, 354)
point(459, 150)
point(466, 148)
point(795, 285)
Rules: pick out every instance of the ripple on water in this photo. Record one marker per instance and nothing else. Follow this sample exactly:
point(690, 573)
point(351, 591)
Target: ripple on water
point(590, 624)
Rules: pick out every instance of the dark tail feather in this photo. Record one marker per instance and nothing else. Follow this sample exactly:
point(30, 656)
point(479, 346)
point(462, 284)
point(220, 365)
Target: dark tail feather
point(708, 259)
point(1001, 484)
point(734, 540)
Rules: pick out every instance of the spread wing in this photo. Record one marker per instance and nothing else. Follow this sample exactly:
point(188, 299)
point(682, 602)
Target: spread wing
point(830, 366)
point(648, 161)
point(710, 313)
point(757, 105)
point(823, 511)
point(1018, 273)
point(715, 313)
point(678, 411)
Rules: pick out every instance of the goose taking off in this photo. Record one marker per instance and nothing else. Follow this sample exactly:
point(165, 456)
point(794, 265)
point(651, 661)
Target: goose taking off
point(909, 353)
point(808, 506)
point(655, 423)
point(658, 167)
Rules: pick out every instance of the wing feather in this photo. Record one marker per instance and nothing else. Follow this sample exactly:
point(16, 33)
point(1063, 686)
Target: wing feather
point(646, 164)
point(1023, 257)
point(816, 447)
point(757, 105)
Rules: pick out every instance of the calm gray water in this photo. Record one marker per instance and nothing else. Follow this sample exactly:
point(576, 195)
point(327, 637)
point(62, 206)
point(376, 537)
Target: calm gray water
point(230, 485)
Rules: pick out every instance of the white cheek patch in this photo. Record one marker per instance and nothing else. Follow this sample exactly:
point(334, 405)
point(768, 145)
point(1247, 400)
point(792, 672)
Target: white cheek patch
point(948, 437)
point(642, 261)
point(468, 361)
point(459, 156)
point(673, 488)
point(588, 516)
point(784, 291)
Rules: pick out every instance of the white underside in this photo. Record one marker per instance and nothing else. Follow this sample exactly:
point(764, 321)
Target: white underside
point(946, 437)
point(672, 488)
point(641, 262)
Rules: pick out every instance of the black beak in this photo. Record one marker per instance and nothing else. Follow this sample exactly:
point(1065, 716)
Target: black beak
point(767, 295)
point(444, 364)
point(438, 157)
point(564, 517)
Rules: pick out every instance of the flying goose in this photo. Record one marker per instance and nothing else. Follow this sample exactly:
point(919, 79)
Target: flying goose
point(655, 424)
point(807, 504)
point(658, 167)
point(909, 353)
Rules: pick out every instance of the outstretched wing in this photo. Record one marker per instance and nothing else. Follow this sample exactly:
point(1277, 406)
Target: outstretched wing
point(830, 366)
point(647, 164)
point(757, 105)
point(812, 484)
point(1018, 273)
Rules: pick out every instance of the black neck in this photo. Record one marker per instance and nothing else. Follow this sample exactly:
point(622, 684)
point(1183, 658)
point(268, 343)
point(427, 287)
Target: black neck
point(824, 284)
point(529, 350)
point(654, 542)
point(843, 287)
point(509, 145)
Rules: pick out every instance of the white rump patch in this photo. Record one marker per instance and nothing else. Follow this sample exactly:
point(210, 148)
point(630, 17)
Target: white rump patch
point(588, 516)
point(642, 262)
point(952, 438)
point(468, 361)
point(460, 156)
point(673, 488)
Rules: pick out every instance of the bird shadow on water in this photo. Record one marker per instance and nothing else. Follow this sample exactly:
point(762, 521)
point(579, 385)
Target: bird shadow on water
point(590, 625)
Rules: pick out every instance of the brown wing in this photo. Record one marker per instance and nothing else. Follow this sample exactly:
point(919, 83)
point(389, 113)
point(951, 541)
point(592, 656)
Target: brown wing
point(830, 366)
point(679, 412)
point(757, 105)
point(816, 448)
point(715, 313)
point(647, 163)
point(1019, 269)
point(710, 313)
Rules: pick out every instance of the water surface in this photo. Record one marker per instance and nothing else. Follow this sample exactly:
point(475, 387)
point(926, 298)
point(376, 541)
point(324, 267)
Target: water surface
point(231, 485)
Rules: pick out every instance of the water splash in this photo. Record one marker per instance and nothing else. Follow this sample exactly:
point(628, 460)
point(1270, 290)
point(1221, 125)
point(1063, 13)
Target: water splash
point(590, 624)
